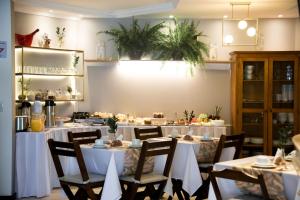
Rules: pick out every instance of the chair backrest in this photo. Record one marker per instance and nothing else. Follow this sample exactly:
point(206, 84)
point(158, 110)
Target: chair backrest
point(84, 137)
point(146, 133)
point(155, 148)
point(235, 141)
point(68, 149)
point(238, 176)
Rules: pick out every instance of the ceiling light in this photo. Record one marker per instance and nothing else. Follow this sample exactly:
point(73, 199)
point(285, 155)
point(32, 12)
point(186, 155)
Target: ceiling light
point(251, 31)
point(225, 16)
point(171, 16)
point(228, 39)
point(280, 16)
point(242, 24)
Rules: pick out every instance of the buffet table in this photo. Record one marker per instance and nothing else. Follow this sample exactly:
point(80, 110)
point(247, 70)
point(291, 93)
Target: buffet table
point(36, 175)
point(229, 189)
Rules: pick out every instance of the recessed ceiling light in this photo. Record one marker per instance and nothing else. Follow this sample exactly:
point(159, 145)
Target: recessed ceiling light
point(171, 16)
point(51, 11)
point(225, 16)
point(280, 16)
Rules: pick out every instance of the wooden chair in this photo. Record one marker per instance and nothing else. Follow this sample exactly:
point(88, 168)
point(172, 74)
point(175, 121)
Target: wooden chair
point(239, 176)
point(84, 182)
point(133, 182)
point(146, 133)
point(84, 137)
point(228, 141)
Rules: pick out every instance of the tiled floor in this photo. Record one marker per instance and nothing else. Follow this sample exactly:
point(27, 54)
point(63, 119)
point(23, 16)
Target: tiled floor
point(58, 194)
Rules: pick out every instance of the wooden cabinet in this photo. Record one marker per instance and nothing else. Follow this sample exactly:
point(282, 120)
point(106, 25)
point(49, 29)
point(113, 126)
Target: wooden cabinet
point(264, 97)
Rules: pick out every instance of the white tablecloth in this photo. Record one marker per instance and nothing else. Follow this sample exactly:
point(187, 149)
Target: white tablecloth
point(36, 175)
point(229, 189)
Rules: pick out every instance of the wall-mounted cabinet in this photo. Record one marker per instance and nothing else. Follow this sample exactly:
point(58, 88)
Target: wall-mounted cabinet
point(56, 73)
point(265, 97)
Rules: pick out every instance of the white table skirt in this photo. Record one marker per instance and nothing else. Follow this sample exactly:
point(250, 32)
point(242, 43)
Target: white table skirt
point(36, 175)
point(229, 189)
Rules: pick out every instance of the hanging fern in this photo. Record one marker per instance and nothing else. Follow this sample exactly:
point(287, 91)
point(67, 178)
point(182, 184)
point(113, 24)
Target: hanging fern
point(136, 41)
point(182, 43)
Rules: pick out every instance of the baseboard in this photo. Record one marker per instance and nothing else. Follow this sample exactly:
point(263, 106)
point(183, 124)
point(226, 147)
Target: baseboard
point(12, 197)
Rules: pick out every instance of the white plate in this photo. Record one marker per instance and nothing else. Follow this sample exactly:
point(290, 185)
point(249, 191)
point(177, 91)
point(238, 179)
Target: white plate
point(135, 146)
point(99, 146)
point(267, 166)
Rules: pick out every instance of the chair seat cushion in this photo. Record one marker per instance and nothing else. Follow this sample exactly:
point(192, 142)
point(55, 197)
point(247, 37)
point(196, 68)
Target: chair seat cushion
point(78, 178)
point(145, 178)
point(247, 197)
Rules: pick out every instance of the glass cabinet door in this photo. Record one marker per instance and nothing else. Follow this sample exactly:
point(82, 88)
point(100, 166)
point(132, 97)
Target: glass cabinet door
point(282, 103)
point(253, 124)
point(253, 84)
point(283, 84)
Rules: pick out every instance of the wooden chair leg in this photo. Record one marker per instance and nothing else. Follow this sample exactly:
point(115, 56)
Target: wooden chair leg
point(91, 193)
point(160, 191)
point(177, 187)
point(68, 191)
point(81, 194)
point(131, 191)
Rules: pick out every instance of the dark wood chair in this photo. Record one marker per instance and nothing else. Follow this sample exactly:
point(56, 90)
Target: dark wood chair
point(133, 182)
point(84, 137)
point(239, 176)
point(228, 141)
point(146, 133)
point(84, 182)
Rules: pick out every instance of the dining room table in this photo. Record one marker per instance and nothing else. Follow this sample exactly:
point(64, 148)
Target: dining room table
point(36, 175)
point(282, 180)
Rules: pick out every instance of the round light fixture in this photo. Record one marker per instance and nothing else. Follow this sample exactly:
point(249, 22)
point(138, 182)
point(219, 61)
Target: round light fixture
point(251, 31)
point(242, 24)
point(228, 39)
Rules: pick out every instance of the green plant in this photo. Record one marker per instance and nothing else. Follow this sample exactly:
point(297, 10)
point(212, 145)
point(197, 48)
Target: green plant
point(284, 133)
point(136, 41)
point(75, 60)
point(24, 85)
point(112, 123)
point(69, 89)
point(183, 43)
point(60, 34)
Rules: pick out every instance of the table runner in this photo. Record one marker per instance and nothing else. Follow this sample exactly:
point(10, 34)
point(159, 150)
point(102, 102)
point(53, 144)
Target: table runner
point(131, 159)
point(272, 177)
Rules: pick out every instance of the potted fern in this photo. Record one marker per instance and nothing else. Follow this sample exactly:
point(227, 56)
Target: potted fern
point(183, 43)
point(136, 41)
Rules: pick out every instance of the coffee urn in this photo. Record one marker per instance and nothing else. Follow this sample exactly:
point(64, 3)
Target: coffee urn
point(50, 113)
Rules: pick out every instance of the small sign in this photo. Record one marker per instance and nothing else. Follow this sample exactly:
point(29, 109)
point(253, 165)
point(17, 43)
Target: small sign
point(3, 49)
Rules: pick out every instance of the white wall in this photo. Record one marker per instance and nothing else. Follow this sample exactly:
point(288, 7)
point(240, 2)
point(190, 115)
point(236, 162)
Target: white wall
point(7, 135)
point(110, 90)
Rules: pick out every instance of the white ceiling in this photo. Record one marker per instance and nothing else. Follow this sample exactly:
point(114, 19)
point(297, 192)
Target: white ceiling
point(157, 8)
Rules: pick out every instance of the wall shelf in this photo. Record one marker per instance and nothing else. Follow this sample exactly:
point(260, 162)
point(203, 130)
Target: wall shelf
point(210, 64)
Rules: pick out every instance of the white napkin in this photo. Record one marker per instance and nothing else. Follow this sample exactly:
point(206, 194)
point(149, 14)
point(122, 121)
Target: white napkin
point(279, 153)
point(174, 132)
point(120, 137)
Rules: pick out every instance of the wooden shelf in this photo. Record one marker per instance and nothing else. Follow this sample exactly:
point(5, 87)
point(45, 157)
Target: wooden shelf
point(250, 145)
point(56, 49)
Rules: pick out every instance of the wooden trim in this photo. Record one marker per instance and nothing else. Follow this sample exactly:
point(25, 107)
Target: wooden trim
point(298, 7)
point(11, 197)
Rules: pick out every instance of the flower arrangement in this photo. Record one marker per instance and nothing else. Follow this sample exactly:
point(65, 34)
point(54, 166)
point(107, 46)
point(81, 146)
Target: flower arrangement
point(189, 116)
